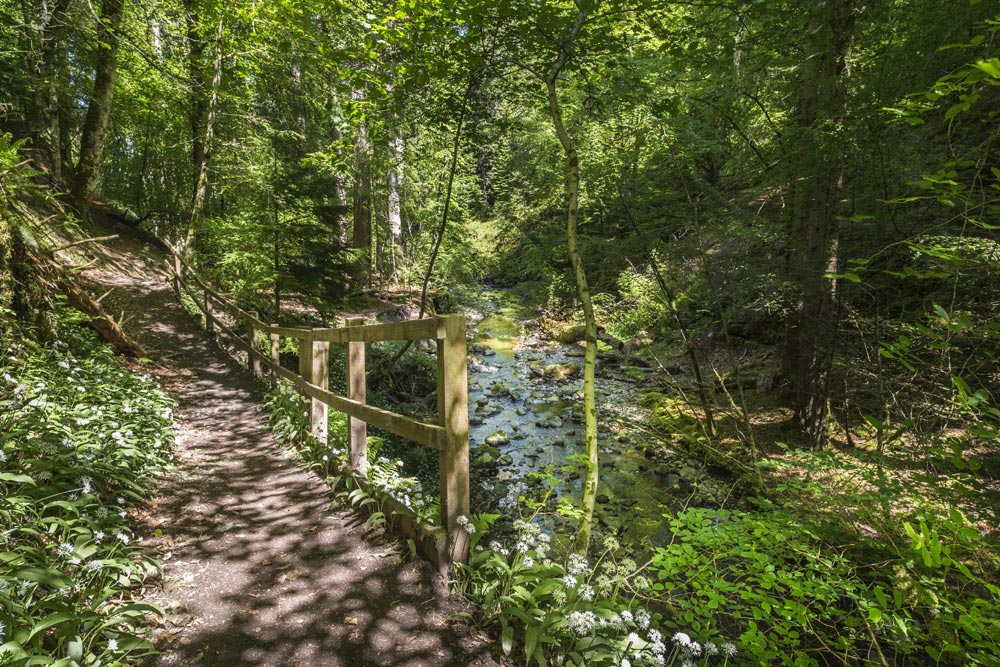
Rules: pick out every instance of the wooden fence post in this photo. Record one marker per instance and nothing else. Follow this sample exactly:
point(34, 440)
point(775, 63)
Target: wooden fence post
point(275, 354)
point(209, 322)
point(177, 275)
point(453, 415)
point(253, 361)
point(314, 367)
point(357, 430)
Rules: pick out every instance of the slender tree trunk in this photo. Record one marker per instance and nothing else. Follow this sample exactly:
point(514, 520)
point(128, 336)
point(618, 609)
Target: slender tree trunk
point(196, 80)
point(88, 168)
point(362, 233)
point(583, 290)
point(340, 200)
point(394, 208)
point(813, 228)
point(49, 28)
point(205, 150)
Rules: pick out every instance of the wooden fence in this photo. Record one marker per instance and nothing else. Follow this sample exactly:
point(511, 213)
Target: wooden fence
point(442, 544)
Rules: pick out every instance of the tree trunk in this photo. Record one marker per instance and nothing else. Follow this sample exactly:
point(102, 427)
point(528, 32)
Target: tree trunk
point(813, 227)
point(394, 209)
point(203, 152)
point(583, 290)
point(50, 29)
point(88, 168)
point(196, 80)
point(362, 233)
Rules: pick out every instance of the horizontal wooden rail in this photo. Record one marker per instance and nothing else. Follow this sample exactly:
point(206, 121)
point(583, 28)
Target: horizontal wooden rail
point(450, 435)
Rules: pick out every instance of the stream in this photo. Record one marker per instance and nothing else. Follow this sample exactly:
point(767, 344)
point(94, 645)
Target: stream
point(525, 416)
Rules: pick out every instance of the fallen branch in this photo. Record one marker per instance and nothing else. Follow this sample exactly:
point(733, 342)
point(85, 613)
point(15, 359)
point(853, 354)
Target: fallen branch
point(95, 239)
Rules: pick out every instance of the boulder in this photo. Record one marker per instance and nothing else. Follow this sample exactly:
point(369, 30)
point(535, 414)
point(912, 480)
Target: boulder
point(497, 439)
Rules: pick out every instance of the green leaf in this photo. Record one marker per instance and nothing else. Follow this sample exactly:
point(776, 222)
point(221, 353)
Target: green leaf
point(74, 648)
point(853, 277)
point(50, 621)
point(507, 639)
point(17, 479)
point(13, 650)
point(43, 576)
point(991, 67)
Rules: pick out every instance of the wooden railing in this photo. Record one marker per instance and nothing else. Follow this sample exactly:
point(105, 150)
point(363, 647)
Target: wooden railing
point(442, 544)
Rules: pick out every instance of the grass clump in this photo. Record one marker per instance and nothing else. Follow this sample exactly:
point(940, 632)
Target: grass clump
point(82, 441)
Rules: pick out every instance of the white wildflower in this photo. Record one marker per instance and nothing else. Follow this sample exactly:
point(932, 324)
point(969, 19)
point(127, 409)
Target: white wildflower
point(122, 537)
point(682, 639)
point(694, 648)
point(528, 562)
point(581, 622)
point(634, 640)
point(98, 536)
point(642, 619)
point(569, 581)
point(711, 649)
point(587, 593)
point(112, 645)
point(626, 616)
point(94, 565)
point(729, 649)
point(626, 663)
point(465, 523)
point(577, 564)
point(65, 549)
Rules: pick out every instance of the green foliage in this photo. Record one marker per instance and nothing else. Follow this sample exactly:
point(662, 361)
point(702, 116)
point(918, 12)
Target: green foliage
point(291, 426)
point(803, 602)
point(767, 576)
point(15, 182)
point(82, 441)
point(572, 611)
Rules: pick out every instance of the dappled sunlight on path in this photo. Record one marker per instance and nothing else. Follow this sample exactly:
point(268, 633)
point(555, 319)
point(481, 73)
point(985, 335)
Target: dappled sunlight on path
point(259, 570)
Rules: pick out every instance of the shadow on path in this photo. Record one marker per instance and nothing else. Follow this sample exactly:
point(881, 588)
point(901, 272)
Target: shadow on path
point(258, 569)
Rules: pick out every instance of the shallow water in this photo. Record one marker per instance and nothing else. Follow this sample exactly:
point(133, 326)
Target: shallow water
point(537, 415)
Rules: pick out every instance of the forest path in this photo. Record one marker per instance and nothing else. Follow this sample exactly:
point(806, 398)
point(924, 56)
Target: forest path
point(259, 570)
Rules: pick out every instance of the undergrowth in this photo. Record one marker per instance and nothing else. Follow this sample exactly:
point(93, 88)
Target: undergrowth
point(82, 441)
point(291, 427)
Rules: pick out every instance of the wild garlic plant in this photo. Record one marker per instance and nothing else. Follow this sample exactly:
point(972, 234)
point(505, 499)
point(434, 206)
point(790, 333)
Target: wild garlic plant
point(291, 426)
point(571, 609)
point(81, 442)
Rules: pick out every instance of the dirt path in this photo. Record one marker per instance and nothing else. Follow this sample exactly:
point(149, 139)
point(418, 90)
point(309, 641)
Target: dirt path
point(258, 569)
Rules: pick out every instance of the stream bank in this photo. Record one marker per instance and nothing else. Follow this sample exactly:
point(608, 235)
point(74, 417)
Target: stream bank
point(526, 426)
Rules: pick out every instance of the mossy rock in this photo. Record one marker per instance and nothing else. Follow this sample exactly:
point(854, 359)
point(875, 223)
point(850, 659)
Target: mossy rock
point(555, 372)
point(573, 333)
